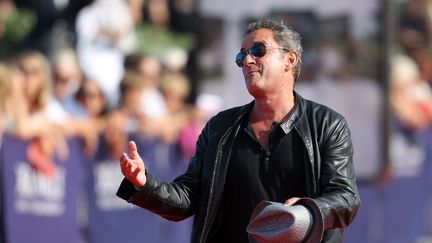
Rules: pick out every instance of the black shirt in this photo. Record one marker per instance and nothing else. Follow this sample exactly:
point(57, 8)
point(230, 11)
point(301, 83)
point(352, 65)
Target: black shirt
point(256, 174)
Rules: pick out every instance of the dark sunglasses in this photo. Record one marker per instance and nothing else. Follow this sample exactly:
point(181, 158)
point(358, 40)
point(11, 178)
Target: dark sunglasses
point(257, 50)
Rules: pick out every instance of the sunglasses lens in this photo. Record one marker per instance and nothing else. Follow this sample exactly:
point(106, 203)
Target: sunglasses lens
point(240, 58)
point(258, 50)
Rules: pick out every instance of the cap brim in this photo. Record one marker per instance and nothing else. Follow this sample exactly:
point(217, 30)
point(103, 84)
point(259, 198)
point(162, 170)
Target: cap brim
point(317, 230)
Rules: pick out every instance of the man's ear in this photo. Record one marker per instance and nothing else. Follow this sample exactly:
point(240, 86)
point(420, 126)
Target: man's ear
point(291, 60)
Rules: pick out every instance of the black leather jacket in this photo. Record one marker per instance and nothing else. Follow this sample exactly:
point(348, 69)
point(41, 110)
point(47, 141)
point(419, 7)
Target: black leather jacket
point(331, 183)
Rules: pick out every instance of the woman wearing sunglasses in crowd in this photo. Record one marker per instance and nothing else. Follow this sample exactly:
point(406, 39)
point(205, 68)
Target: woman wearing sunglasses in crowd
point(280, 148)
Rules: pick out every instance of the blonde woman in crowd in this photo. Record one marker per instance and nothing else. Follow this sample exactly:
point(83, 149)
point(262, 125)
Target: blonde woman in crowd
point(39, 121)
point(44, 121)
point(11, 96)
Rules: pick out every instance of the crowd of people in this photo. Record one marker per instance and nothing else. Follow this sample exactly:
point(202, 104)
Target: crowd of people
point(112, 80)
point(93, 72)
point(410, 93)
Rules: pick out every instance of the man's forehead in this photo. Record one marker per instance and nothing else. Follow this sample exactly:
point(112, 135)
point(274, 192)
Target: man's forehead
point(258, 36)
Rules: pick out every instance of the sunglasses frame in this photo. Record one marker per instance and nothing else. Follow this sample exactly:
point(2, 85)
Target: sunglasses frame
point(258, 49)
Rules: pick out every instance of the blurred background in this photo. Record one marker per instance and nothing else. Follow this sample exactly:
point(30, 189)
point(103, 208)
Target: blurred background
point(79, 78)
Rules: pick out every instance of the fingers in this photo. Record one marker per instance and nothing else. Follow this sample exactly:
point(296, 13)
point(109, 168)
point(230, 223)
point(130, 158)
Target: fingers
point(134, 173)
point(123, 159)
point(133, 150)
point(132, 166)
point(128, 168)
point(125, 164)
point(292, 201)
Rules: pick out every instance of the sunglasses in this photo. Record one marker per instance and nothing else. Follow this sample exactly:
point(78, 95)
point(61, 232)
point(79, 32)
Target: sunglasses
point(257, 50)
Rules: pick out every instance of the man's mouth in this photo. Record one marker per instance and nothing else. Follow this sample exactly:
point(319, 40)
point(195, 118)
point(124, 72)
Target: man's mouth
point(252, 70)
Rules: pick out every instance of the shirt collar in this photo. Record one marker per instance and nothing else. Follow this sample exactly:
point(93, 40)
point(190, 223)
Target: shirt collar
point(286, 125)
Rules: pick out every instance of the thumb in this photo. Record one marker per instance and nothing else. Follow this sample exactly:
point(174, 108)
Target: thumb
point(292, 201)
point(133, 150)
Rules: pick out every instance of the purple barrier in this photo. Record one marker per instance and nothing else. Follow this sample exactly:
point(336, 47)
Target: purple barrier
point(396, 212)
point(166, 162)
point(367, 226)
point(38, 209)
point(111, 219)
point(405, 210)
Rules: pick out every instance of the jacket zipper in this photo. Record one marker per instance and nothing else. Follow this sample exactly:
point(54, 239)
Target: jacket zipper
point(311, 159)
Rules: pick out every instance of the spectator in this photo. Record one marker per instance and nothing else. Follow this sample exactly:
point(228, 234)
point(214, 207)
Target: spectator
point(11, 97)
point(410, 96)
point(106, 34)
point(155, 35)
point(67, 78)
point(128, 117)
point(41, 122)
point(411, 103)
point(92, 99)
point(46, 122)
point(175, 88)
point(152, 102)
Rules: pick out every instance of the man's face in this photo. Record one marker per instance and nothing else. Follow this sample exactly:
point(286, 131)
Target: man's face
point(263, 74)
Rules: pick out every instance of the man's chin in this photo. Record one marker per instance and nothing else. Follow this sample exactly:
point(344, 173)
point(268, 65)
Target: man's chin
point(254, 90)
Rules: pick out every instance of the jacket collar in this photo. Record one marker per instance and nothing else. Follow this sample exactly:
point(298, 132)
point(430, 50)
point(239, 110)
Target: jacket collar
point(288, 124)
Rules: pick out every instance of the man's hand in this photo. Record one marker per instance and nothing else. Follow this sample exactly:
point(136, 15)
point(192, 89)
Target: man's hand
point(133, 167)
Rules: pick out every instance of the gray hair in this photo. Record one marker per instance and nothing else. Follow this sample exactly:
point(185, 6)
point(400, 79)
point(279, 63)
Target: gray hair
point(285, 36)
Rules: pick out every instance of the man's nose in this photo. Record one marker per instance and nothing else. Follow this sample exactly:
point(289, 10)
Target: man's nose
point(249, 60)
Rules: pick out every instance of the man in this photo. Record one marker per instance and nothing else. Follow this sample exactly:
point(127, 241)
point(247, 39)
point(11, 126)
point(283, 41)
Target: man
point(280, 148)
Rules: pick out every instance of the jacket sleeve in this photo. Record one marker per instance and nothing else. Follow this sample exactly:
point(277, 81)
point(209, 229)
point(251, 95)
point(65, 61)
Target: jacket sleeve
point(176, 200)
point(338, 197)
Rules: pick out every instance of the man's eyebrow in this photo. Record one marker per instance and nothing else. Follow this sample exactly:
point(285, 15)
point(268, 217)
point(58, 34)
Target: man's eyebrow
point(260, 42)
point(256, 42)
